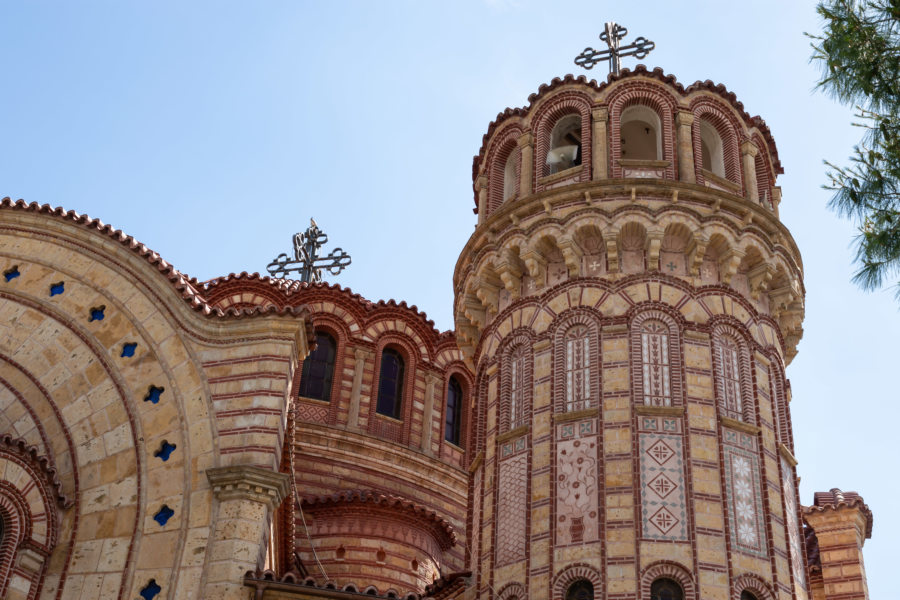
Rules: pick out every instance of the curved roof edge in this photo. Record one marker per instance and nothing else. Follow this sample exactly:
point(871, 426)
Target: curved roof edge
point(288, 292)
point(186, 287)
point(388, 501)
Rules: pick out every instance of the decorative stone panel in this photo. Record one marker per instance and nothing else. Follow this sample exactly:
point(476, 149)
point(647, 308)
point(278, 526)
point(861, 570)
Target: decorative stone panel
point(577, 510)
point(743, 493)
point(663, 505)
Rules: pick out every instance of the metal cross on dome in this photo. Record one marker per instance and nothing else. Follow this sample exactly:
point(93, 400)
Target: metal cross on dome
point(614, 32)
point(307, 261)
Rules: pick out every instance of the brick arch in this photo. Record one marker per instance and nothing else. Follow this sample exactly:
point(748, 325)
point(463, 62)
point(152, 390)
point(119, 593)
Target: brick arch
point(398, 326)
point(334, 326)
point(753, 584)
point(765, 179)
point(520, 340)
point(722, 326)
point(16, 519)
point(729, 130)
point(460, 371)
point(29, 510)
point(505, 143)
point(674, 321)
point(667, 569)
point(561, 105)
point(561, 325)
point(778, 393)
point(570, 575)
point(653, 96)
point(512, 591)
point(382, 425)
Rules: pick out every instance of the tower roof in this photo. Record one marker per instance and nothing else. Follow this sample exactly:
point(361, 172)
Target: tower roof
point(639, 71)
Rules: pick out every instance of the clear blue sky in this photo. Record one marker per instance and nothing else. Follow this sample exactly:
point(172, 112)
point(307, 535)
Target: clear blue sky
point(212, 131)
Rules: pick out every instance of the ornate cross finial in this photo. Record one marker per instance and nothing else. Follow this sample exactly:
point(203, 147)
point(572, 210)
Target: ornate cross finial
point(307, 261)
point(614, 32)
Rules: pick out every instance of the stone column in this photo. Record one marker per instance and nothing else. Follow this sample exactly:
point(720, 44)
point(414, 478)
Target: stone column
point(685, 141)
point(431, 382)
point(842, 522)
point(748, 156)
point(360, 354)
point(246, 497)
point(526, 169)
point(600, 145)
point(481, 186)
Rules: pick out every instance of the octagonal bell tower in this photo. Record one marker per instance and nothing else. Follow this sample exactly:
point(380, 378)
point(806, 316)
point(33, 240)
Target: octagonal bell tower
point(630, 299)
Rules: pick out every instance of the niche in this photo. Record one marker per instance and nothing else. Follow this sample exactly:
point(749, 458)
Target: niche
point(565, 145)
point(640, 134)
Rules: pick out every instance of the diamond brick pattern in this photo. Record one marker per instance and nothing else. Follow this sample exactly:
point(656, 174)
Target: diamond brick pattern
point(663, 505)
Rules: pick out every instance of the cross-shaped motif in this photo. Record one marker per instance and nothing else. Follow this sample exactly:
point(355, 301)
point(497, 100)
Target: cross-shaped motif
point(612, 34)
point(671, 266)
point(307, 261)
point(594, 265)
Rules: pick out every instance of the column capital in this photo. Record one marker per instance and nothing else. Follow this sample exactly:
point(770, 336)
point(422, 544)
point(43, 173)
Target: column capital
point(748, 147)
point(683, 117)
point(244, 482)
point(360, 353)
point(600, 113)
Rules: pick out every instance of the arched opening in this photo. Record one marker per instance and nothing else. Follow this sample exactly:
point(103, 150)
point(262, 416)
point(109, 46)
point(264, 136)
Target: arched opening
point(453, 418)
point(565, 144)
point(511, 175)
point(747, 595)
point(390, 384)
point(580, 590)
point(641, 134)
point(712, 155)
point(666, 589)
point(632, 245)
point(318, 369)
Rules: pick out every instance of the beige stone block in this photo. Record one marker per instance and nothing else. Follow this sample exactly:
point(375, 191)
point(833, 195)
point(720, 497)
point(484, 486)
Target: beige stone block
point(86, 556)
point(114, 555)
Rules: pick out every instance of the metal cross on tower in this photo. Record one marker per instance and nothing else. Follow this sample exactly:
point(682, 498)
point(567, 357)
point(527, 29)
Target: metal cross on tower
point(614, 32)
point(307, 261)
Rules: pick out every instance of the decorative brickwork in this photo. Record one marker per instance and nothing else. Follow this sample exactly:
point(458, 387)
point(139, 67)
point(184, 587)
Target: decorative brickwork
point(577, 511)
point(576, 365)
point(664, 514)
point(743, 492)
point(571, 574)
point(512, 502)
point(628, 331)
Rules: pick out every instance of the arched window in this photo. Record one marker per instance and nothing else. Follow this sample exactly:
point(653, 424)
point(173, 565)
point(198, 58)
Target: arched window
point(565, 144)
point(390, 384)
point(517, 392)
point(747, 595)
point(641, 134)
point(711, 152)
point(578, 370)
point(318, 369)
point(453, 420)
point(666, 589)
point(655, 363)
point(580, 590)
point(728, 376)
point(511, 175)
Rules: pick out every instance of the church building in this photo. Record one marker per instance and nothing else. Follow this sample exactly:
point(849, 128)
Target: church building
point(609, 418)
